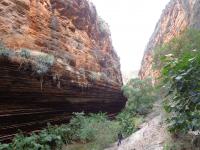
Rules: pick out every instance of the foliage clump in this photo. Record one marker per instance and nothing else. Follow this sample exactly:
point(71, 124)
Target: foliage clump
point(140, 95)
point(93, 128)
point(180, 63)
point(51, 138)
point(182, 76)
point(40, 64)
point(103, 27)
point(185, 42)
point(5, 52)
point(43, 63)
point(97, 76)
point(25, 53)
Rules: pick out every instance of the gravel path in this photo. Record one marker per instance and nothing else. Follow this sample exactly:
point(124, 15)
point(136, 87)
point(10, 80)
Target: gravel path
point(151, 136)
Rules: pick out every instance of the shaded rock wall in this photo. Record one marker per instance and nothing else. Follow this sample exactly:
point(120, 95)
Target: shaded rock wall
point(176, 17)
point(24, 105)
point(79, 40)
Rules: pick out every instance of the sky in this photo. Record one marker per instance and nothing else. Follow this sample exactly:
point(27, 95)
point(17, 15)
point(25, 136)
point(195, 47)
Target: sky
point(132, 23)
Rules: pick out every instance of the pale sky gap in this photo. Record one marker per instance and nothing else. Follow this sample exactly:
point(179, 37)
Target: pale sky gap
point(131, 23)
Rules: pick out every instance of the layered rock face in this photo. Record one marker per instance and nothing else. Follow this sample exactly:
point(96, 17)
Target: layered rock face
point(85, 75)
point(65, 28)
point(176, 17)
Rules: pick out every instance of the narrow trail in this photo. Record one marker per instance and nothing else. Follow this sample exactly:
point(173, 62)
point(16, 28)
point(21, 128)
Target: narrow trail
point(151, 136)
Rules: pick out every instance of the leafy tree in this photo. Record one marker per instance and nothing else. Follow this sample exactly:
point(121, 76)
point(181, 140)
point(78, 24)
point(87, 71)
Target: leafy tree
point(183, 100)
point(140, 95)
point(180, 76)
point(185, 42)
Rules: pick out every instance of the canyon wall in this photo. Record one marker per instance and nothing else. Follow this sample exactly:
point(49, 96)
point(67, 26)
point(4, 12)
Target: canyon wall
point(176, 17)
point(85, 75)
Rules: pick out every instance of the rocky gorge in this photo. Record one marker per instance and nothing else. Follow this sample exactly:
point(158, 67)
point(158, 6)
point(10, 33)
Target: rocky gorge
point(176, 18)
point(85, 73)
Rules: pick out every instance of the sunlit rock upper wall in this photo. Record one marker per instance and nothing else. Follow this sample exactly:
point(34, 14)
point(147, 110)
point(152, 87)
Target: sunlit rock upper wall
point(176, 17)
point(69, 29)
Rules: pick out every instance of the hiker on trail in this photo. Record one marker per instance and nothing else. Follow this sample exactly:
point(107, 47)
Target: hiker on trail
point(120, 137)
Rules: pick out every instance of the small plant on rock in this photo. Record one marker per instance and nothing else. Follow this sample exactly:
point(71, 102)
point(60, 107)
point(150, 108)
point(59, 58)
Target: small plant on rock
point(25, 53)
point(5, 52)
point(94, 76)
point(103, 27)
point(43, 63)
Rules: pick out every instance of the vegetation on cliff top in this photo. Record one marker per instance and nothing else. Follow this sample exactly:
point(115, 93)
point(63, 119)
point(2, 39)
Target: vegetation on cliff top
point(39, 64)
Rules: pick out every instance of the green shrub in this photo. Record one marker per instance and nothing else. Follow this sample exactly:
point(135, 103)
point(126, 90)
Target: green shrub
point(75, 124)
point(41, 69)
point(180, 76)
point(5, 147)
point(50, 140)
point(65, 132)
point(94, 76)
point(140, 95)
point(126, 121)
point(170, 146)
point(183, 97)
point(85, 127)
point(23, 143)
point(40, 64)
point(25, 53)
point(95, 129)
point(46, 59)
point(43, 63)
point(187, 41)
point(5, 52)
point(106, 133)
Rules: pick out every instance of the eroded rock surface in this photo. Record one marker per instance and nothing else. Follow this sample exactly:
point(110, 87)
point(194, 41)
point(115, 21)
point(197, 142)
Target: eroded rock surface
point(176, 17)
point(85, 76)
point(68, 29)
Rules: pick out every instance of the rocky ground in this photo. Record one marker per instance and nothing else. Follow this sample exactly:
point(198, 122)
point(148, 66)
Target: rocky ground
point(151, 136)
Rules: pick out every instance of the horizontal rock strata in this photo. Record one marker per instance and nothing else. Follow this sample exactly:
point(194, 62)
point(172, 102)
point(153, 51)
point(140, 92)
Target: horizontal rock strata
point(85, 75)
point(27, 104)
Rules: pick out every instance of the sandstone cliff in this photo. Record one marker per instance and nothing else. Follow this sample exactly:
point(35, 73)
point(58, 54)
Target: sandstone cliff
point(84, 76)
point(176, 17)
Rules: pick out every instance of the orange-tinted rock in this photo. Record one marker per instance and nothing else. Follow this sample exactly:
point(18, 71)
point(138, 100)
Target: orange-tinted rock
point(69, 27)
point(176, 17)
point(73, 33)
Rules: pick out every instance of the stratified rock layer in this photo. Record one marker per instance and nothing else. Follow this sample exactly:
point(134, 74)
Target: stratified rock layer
point(80, 42)
point(177, 16)
point(68, 29)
